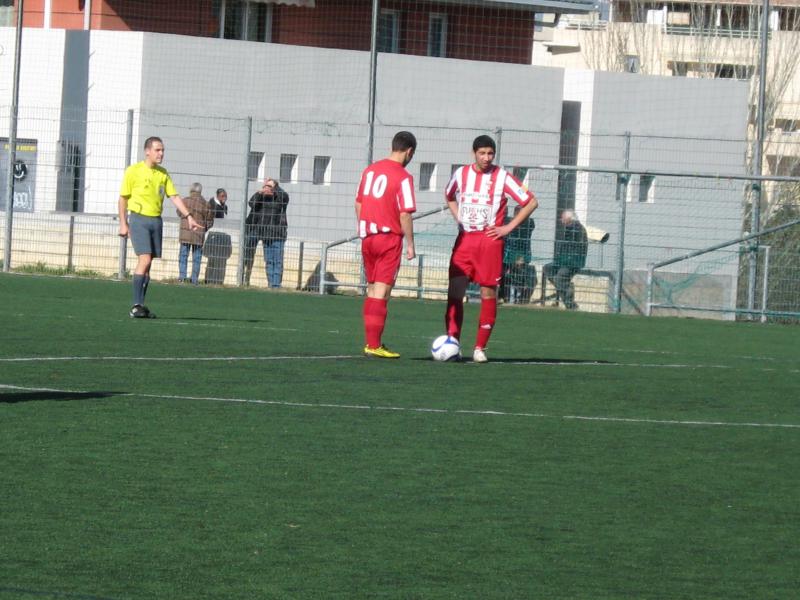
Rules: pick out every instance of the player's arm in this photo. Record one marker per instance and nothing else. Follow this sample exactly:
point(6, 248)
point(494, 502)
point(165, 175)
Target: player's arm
point(450, 195)
point(185, 213)
point(407, 225)
point(123, 216)
point(499, 231)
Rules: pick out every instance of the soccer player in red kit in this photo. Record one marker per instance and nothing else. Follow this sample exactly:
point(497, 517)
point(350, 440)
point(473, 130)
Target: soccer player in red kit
point(477, 196)
point(384, 204)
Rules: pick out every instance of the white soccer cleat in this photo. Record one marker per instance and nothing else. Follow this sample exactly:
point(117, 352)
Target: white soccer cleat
point(479, 356)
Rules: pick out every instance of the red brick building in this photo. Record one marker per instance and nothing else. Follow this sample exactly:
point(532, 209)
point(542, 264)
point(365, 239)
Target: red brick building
point(492, 30)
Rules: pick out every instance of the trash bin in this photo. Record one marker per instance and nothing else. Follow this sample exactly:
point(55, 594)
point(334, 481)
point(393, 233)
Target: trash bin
point(217, 251)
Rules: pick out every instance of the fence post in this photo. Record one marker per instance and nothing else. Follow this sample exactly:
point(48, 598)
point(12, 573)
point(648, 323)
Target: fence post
point(648, 310)
point(323, 267)
point(123, 242)
point(622, 199)
point(765, 282)
point(70, 243)
point(420, 267)
point(300, 265)
point(12, 140)
point(242, 224)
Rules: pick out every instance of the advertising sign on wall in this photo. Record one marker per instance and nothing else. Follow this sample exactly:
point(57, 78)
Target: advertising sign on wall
point(24, 174)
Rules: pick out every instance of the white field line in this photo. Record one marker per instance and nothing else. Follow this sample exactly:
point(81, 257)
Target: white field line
point(484, 413)
point(174, 358)
point(542, 363)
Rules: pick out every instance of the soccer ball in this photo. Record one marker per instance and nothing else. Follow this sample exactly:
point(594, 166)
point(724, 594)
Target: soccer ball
point(445, 348)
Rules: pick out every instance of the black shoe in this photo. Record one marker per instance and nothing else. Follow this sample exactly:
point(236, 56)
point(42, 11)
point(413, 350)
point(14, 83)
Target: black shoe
point(139, 311)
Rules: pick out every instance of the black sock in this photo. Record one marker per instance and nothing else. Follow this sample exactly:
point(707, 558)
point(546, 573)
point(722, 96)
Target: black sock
point(138, 289)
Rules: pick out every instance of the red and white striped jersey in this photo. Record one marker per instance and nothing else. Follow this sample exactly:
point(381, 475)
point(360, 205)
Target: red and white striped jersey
point(482, 197)
point(385, 191)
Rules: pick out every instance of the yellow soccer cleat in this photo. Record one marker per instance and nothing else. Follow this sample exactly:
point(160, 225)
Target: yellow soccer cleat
point(380, 352)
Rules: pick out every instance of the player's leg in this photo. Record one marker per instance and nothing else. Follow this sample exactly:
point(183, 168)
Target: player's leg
point(459, 274)
point(488, 273)
point(486, 322)
point(454, 314)
point(140, 232)
point(381, 264)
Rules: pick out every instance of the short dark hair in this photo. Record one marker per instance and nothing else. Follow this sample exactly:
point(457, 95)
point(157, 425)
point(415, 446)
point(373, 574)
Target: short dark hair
point(149, 141)
point(483, 141)
point(403, 140)
point(221, 191)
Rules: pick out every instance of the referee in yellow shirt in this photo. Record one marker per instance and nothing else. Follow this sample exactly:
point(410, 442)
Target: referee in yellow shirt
point(141, 200)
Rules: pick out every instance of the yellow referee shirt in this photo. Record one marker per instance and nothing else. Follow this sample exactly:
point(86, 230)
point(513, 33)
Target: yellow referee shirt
point(145, 188)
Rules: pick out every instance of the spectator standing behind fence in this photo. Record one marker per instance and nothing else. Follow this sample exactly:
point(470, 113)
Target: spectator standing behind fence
point(192, 240)
point(141, 200)
point(218, 247)
point(569, 257)
point(519, 275)
point(267, 223)
point(219, 204)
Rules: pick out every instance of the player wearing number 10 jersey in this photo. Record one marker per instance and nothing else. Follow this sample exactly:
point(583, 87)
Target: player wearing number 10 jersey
point(477, 196)
point(384, 204)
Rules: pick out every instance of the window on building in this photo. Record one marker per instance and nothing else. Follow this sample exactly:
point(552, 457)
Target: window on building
point(427, 177)
point(726, 71)
point(389, 31)
point(453, 169)
point(520, 174)
point(322, 170)
point(245, 20)
point(642, 190)
point(679, 68)
point(437, 35)
point(288, 172)
point(647, 188)
point(786, 166)
point(254, 165)
point(632, 64)
point(786, 125)
point(7, 13)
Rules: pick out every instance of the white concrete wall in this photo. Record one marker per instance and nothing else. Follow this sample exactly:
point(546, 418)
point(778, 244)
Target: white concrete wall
point(41, 68)
point(196, 94)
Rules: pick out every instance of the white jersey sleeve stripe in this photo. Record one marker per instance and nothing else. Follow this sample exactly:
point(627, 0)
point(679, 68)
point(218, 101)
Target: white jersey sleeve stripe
point(408, 195)
point(450, 190)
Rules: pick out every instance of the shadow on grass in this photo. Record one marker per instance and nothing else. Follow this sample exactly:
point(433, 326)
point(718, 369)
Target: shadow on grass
point(532, 361)
point(215, 319)
point(33, 396)
point(46, 594)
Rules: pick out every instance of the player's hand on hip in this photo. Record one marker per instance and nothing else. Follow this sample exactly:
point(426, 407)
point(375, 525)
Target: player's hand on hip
point(495, 232)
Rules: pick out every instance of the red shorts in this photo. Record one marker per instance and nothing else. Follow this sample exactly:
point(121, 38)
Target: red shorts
point(381, 255)
point(479, 257)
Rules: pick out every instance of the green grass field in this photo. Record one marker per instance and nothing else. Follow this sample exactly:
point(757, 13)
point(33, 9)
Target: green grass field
point(238, 447)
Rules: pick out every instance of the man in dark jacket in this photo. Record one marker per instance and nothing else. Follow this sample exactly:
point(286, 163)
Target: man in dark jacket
point(267, 223)
point(519, 275)
point(569, 257)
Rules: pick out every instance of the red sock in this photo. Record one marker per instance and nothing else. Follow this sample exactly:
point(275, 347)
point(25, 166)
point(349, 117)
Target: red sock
point(454, 317)
point(374, 320)
point(486, 321)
